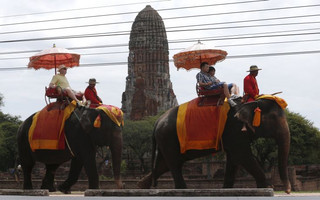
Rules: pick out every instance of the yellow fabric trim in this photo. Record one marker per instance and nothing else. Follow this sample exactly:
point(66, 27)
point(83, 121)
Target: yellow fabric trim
point(44, 144)
point(31, 130)
point(281, 102)
point(112, 116)
point(48, 144)
point(66, 114)
point(223, 119)
point(181, 126)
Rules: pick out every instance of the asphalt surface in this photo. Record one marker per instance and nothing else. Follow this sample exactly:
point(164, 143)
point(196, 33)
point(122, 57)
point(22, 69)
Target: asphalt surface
point(79, 196)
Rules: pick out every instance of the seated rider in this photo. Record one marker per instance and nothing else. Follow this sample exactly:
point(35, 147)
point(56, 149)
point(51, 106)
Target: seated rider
point(233, 88)
point(204, 80)
point(91, 94)
point(60, 80)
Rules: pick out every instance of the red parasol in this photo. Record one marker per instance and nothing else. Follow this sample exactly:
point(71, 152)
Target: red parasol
point(193, 56)
point(54, 57)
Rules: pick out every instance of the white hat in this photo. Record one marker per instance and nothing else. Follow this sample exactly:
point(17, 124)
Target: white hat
point(62, 67)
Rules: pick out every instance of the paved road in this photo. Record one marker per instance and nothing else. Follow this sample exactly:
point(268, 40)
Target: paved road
point(309, 196)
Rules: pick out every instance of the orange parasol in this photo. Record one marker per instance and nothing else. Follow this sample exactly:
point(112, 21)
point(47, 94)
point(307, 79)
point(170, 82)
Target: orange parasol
point(54, 57)
point(193, 56)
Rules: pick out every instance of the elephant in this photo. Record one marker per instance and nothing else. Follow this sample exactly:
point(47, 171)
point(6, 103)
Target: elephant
point(83, 139)
point(166, 154)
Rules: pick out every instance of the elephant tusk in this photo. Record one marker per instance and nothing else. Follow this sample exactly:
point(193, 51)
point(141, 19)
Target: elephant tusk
point(251, 127)
point(237, 115)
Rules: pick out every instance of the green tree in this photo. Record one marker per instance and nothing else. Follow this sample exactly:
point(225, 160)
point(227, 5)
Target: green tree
point(8, 143)
point(137, 137)
point(305, 140)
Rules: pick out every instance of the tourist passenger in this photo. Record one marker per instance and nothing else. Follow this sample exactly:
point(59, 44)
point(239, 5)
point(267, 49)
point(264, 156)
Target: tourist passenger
point(204, 80)
point(233, 88)
point(60, 82)
point(91, 94)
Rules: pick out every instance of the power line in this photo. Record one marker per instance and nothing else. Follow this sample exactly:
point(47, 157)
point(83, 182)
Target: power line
point(188, 40)
point(170, 60)
point(192, 25)
point(248, 36)
point(266, 43)
point(127, 13)
point(103, 34)
point(87, 8)
point(239, 12)
point(227, 45)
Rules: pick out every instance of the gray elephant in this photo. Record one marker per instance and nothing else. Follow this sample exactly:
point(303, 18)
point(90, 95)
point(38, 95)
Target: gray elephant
point(83, 138)
point(236, 145)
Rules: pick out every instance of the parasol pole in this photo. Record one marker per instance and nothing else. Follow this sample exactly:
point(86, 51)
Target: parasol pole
point(55, 61)
point(200, 54)
point(55, 67)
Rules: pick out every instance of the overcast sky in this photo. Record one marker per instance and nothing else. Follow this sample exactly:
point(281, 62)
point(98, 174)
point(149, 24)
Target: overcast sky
point(287, 51)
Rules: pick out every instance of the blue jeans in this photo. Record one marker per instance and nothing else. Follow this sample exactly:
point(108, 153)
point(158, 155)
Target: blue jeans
point(213, 87)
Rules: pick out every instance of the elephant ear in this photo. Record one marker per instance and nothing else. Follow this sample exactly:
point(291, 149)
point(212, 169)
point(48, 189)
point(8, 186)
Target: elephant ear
point(246, 114)
point(87, 119)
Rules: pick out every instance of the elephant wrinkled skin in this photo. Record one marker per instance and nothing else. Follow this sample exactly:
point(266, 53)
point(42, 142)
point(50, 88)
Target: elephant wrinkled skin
point(166, 154)
point(83, 139)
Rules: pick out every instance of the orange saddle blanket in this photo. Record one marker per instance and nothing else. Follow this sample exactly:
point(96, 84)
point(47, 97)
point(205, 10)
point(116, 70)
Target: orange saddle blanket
point(200, 127)
point(47, 128)
point(113, 112)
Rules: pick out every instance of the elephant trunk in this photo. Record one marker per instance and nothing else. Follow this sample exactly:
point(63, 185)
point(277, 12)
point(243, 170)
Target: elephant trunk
point(283, 141)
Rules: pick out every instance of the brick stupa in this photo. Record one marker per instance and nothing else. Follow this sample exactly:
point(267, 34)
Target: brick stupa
point(148, 86)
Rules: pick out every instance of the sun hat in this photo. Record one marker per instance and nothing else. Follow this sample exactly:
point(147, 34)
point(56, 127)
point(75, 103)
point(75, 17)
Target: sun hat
point(92, 81)
point(254, 68)
point(62, 67)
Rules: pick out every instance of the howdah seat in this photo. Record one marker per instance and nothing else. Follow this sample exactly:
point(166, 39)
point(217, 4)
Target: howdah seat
point(59, 94)
point(210, 97)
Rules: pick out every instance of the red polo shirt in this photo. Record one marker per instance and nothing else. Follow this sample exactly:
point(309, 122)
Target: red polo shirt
point(250, 86)
point(91, 94)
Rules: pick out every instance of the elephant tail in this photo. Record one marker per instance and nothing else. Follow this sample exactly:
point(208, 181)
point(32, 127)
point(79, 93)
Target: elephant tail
point(153, 156)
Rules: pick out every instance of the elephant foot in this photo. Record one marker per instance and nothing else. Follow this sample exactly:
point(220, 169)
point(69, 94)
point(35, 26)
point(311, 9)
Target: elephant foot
point(27, 187)
point(288, 188)
point(288, 191)
point(120, 185)
point(64, 190)
point(145, 182)
point(51, 188)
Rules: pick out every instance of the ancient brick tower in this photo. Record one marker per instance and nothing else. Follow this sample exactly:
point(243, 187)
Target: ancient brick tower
point(148, 85)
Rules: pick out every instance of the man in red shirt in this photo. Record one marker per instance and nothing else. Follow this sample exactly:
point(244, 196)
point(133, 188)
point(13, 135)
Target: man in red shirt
point(92, 95)
point(250, 85)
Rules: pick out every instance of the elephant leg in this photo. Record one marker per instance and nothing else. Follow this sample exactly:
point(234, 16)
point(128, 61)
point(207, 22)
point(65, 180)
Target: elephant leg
point(245, 158)
point(74, 172)
point(179, 182)
point(230, 173)
point(254, 168)
point(27, 169)
point(174, 162)
point(160, 168)
point(91, 170)
point(47, 182)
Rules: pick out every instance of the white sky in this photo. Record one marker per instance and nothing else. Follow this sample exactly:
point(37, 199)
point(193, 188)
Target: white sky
point(297, 75)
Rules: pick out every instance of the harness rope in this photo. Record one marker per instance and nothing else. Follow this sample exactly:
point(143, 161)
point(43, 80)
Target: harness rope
point(79, 120)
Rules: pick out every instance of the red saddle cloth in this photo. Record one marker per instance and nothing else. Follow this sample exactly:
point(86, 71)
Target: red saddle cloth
point(200, 127)
point(47, 128)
